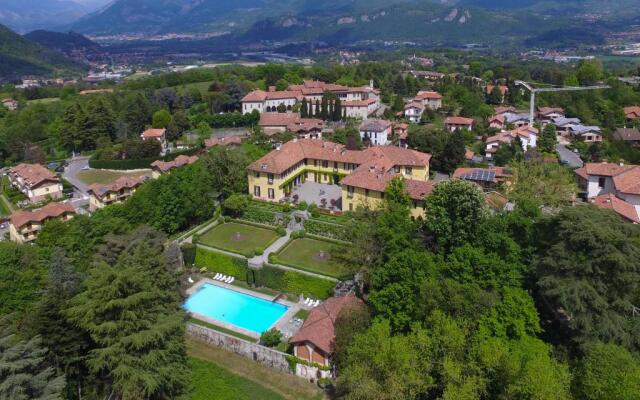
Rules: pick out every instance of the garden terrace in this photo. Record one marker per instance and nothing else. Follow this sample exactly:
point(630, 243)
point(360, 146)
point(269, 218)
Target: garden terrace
point(313, 255)
point(239, 238)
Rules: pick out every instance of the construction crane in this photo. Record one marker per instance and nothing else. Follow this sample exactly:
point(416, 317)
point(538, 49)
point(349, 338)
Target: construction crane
point(557, 89)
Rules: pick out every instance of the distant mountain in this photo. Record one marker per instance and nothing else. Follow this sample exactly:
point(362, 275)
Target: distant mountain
point(442, 22)
point(20, 56)
point(27, 15)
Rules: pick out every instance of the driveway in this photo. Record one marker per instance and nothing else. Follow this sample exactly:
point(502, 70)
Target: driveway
point(74, 166)
point(568, 157)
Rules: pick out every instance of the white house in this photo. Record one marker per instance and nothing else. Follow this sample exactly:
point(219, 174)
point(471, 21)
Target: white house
point(376, 131)
point(413, 111)
point(528, 137)
point(432, 100)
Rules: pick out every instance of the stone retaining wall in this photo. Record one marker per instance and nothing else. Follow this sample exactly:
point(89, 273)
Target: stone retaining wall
point(264, 355)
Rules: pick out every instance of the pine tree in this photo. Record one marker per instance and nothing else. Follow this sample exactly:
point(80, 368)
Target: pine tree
point(24, 374)
point(547, 142)
point(69, 130)
point(452, 155)
point(132, 311)
point(324, 108)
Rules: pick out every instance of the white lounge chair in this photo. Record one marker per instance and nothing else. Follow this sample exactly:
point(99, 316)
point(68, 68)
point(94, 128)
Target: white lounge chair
point(190, 280)
point(222, 278)
point(232, 279)
point(217, 276)
point(316, 304)
point(227, 279)
point(306, 301)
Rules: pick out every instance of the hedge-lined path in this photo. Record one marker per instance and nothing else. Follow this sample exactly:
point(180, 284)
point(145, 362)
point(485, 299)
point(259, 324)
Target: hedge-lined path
point(274, 248)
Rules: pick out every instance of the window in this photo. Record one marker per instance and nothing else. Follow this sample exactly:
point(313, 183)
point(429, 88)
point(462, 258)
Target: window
point(408, 170)
point(366, 192)
point(326, 177)
point(601, 182)
point(270, 177)
point(397, 169)
point(315, 163)
point(350, 191)
point(272, 193)
point(325, 164)
point(257, 174)
point(256, 191)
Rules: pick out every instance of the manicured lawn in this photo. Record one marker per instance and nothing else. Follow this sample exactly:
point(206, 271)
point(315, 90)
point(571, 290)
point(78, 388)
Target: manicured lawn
point(92, 176)
point(250, 238)
point(210, 381)
point(308, 254)
point(239, 373)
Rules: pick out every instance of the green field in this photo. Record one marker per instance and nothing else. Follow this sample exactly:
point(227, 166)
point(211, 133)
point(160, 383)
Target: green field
point(225, 237)
point(4, 208)
point(307, 254)
point(92, 176)
point(209, 381)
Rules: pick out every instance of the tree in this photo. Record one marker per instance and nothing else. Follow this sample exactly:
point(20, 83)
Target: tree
point(546, 184)
point(453, 154)
point(324, 108)
point(454, 211)
point(161, 119)
point(350, 321)
point(317, 113)
point(547, 142)
point(24, 374)
point(590, 72)
point(304, 110)
point(271, 338)
point(228, 167)
point(495, 96)
point(588, 274)
point(132, 312)
point(337, 110)
point(608, 372)
point(508, 152)
point(281, 108)
point(398, 104)
point(217, 101)
point(235, 205)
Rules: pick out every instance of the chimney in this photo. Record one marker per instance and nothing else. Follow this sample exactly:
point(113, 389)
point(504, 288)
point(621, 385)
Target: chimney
point(272, 89)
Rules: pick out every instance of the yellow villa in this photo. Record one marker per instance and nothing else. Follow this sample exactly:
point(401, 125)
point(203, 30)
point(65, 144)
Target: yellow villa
point(360, 175)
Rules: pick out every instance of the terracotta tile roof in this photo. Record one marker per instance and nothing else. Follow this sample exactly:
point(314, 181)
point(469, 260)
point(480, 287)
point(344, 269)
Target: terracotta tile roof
point(627, 134)
point(123, 182)
point(507, 137)
point(401, 126)
point(51, 210)
point(544, 111)
point(304, 125)
point(606, 169)
point(165, 166)
point(582, 172)
point(503, 110)
point(427, 95)
point(632, 112)
point(418, 190)
point(468, 154)
point(458, 121)
point(358, 103)
point(414, 104)
point(496, 200)
point(628, 182)
point(611, 202)
point(296, 151)
point(497, 118)
point(277, 119)
point(375, 125)
point(256, 96)
point(153, 133)
point(284, 94)
point(318, 329)
point(33, 174)
point(224, 141)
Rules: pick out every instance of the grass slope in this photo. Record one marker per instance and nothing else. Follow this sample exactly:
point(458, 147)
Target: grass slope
point(300, 253)
point(210, 381)
point(90, 177)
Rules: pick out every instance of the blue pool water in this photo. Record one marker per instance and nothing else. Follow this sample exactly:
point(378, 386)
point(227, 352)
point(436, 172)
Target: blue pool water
point(235, 308)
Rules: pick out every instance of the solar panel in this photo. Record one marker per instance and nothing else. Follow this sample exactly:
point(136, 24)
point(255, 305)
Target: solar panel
point(481, 175)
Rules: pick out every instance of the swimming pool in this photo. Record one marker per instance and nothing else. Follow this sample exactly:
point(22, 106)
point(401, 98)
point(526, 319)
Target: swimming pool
point(239, 309)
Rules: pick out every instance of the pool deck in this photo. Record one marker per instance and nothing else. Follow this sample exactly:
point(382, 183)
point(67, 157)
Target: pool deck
point(279, 324)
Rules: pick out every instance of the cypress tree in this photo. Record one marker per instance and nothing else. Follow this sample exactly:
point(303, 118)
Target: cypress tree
point(317, 112)
point(304, 112)
point(337, 110)
point(324, 108)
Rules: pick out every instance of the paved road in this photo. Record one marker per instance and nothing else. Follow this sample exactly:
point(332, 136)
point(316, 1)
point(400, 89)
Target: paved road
point(75, 165)
point(568, 157)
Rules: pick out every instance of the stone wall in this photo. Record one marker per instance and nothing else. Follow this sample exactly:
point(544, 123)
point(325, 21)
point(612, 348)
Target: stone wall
point(264, 355)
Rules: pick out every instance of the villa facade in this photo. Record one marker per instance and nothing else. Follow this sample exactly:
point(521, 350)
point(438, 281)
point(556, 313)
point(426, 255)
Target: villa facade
point(119, 191)
point(361, 174)
point(36, 182)
point(24, 226)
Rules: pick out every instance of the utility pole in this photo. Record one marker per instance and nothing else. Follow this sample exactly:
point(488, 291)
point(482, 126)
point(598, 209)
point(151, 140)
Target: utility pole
point(534, 91)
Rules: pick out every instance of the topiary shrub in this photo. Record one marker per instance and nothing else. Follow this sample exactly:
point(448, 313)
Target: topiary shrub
point(250, 254)
point(286, 207)
point(303, 206)
point(258, 251)
point(281, 231)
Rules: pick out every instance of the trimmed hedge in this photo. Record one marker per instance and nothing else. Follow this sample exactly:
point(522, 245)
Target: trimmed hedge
point(331, 231)
point(218, 262)
point(140, 163)
point(265, 217)
point(283, 281)
point(294, 282)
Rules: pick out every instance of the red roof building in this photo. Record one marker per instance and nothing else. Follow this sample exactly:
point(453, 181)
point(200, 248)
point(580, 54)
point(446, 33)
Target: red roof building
point(25, 225)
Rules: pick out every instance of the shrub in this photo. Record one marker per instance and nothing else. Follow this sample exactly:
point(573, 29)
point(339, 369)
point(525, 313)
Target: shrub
point(258, 251)
point(273, 259)
point(217, 262)
point(294, 282)
point(250, 254)
point(286, 207)
point(281, 231)
point(313, 210)
point(303, 205)
point(195, 239)
point(235, 205)
point(271, 338)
